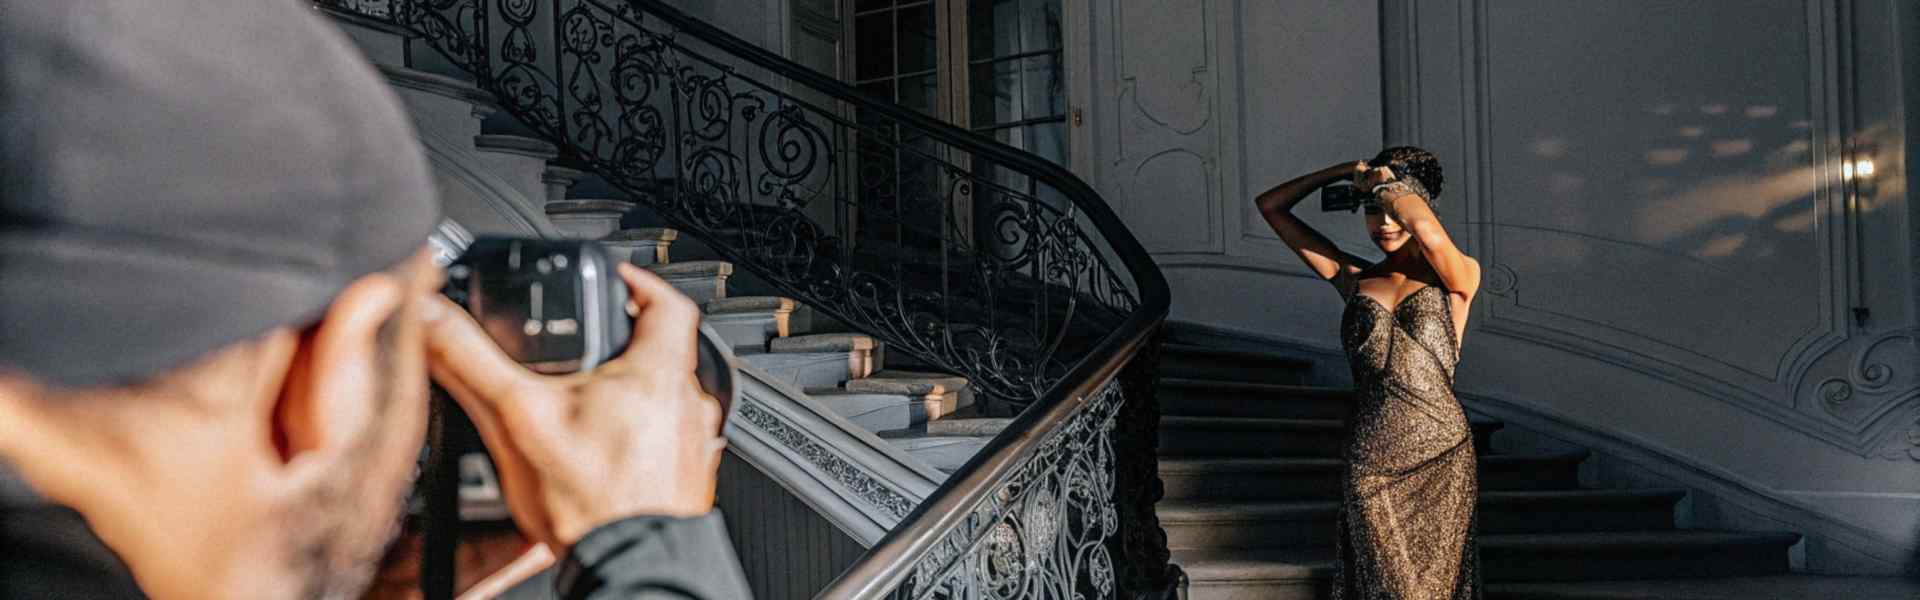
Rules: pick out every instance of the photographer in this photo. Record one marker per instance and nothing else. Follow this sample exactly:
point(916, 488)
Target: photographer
point(218, 317)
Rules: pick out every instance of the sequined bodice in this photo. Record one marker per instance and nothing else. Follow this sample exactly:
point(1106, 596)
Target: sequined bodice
point(1422, 324)
point(1410, 480)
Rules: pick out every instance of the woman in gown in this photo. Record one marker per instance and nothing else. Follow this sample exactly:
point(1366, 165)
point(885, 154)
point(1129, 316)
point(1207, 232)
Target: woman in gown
point(1407, 509)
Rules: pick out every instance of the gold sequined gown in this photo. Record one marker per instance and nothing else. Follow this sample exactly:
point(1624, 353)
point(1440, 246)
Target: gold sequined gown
point(1406, 526)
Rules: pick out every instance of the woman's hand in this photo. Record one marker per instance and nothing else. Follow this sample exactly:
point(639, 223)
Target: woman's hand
point(1374, 176)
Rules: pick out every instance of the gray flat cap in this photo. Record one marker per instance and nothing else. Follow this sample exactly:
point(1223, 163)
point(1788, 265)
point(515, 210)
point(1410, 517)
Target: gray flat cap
point(179, 175)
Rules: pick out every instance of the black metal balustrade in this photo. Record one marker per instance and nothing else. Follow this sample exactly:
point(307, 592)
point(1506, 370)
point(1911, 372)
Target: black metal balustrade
point(964, 253)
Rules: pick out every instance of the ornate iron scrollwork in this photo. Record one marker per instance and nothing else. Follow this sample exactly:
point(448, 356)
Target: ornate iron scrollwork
point(971, 257)
point(1044, 532)
point(837, 205)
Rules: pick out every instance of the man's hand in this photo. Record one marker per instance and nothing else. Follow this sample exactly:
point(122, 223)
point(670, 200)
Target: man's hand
point(633, 436)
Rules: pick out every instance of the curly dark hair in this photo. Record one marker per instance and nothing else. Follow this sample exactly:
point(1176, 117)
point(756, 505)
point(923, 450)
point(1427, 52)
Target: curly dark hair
point(1415, 162)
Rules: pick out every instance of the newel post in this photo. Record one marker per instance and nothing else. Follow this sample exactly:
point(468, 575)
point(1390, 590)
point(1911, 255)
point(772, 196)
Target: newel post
point(1144, 571)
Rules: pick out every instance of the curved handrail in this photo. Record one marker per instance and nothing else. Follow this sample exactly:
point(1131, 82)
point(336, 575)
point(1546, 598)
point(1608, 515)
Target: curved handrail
point(887, 563)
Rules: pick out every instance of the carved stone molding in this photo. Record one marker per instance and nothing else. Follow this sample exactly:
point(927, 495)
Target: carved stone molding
point(869, 489)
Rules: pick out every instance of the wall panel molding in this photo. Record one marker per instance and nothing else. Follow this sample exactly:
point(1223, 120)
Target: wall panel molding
point(1804, 382)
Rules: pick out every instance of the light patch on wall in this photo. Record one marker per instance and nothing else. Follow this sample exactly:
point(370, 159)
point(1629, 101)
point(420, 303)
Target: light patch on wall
point(1746, 196)
point(1565, 184)
point(1664, 157)
point(1661, 109)
point(1715, 109)
point(1692, 131)
point(1549, 147)
point(1729, 148)
point(1762, 111)
point(1800, 222)
point(1722, 245)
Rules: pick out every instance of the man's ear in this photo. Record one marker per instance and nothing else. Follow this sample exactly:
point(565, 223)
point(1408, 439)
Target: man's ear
point(335, 379)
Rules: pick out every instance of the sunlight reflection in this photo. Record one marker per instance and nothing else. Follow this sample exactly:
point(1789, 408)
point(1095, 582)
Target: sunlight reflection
point(1687, 212)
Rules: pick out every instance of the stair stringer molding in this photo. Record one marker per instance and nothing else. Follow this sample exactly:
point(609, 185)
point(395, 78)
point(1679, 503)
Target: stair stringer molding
point(1717, 498)
point(851, 477)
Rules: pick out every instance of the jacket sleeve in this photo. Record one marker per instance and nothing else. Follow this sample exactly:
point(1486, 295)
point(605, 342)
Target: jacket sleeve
point(653, 558)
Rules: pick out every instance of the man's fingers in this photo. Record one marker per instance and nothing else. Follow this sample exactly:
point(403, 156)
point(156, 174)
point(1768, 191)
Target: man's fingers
point(457, 346)
point(668, 323)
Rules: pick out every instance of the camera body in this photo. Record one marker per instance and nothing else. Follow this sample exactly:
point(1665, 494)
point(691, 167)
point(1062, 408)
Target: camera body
point(558, 306)
point(1344, 196)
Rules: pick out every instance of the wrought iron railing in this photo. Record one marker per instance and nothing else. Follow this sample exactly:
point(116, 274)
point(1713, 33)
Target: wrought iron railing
point(972, 256)
point(964, 253)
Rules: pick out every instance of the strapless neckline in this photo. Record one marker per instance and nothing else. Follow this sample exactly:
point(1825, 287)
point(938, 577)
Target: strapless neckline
point(1395, 309)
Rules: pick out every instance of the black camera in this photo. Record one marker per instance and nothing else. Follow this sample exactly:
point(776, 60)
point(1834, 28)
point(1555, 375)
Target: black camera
point(558, 306)
point(555, 306)
point(1344, 196)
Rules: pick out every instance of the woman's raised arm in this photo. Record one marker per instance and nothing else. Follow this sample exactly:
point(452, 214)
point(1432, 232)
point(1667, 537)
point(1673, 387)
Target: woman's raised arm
point(1459, 272)
point(1320, 254)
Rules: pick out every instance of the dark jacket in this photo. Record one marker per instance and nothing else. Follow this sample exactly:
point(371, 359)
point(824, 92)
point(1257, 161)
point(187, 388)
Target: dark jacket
point(47, 552)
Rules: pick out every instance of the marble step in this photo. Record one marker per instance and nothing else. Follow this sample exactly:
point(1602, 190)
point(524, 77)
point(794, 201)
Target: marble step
point(559, 181)
point(1214, 398)
point(642, 246)
point(748, 323)
point(520, 160)
point(880, 413)
point(701, 280)
point(1311, 523)
point(827, 360)
point(1260, 437)
point(1222, 479)
point(587, 219)
point(1795, 586)
point(942, 394)
point(1302, 573)
point(1190, 361)
point(944, 453)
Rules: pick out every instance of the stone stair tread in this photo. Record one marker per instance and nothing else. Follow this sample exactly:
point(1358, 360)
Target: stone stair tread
point(460, 88)
point(1201, 464)
point(748, 304)
point(1215, 564)
point(968, 427)
point(1262, 423)
point(571, 206)
point(1616, 541)
point(1294, 563)
point(896, 381)
point(1234, 353)
point(1797, 586)
point(690, 268)
point(1317, 391)
point(822, 342)
point(644, 234)
point(516, 144)
point(1202, 511)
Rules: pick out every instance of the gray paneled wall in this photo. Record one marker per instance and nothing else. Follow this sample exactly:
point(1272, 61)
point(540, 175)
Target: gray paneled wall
point(787, 549)
point(1667, 196)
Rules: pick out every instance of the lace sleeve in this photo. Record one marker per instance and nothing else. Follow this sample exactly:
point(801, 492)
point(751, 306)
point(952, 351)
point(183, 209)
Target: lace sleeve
point(1401, 186)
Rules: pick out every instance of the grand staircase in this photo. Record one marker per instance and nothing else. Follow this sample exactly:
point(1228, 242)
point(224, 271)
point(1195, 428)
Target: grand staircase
point(1248, 451)
point(1250, 460)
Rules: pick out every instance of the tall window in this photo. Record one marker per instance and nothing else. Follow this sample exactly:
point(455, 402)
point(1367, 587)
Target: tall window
point(1017, 88)
point(993, 66)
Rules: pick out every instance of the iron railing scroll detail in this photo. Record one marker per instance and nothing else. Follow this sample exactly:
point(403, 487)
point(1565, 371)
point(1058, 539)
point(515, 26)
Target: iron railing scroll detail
point(968, 255)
